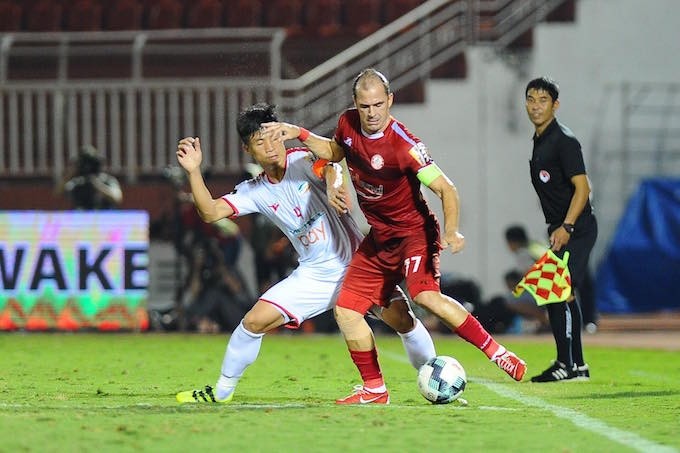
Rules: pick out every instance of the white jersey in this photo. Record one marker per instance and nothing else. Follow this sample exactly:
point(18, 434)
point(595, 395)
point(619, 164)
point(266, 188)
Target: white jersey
point(298, 206)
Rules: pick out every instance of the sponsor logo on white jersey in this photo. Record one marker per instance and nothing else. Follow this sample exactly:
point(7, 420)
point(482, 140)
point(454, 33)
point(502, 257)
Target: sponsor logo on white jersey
point(312, 231)
point(303, 187)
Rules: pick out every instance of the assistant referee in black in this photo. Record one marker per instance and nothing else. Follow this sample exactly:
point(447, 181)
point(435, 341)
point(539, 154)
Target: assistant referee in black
point(558, 174)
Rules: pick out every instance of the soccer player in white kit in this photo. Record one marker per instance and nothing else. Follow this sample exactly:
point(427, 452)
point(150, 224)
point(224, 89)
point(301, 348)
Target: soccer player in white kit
point(291, 192)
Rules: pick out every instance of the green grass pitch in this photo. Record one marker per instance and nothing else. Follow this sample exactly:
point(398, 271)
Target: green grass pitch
point(115, 392)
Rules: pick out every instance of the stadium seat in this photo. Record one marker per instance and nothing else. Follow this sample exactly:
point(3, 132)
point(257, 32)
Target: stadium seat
point(164, 14)
point(124, 15)
point(83, 15)
point(286, 14)
point(10, 16)
point(44, 15)
point(362, 17)
point(243, 13)
point(204, 14)
point(322, 18)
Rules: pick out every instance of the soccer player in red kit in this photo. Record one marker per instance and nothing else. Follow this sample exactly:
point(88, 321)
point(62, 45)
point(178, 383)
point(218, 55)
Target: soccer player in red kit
point(387, 166)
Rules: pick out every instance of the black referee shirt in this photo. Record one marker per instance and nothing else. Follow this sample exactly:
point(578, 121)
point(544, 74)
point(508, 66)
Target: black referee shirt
point(556, 158)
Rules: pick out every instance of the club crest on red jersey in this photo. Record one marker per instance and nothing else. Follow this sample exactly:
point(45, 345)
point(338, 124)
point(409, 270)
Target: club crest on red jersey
point(377, 162)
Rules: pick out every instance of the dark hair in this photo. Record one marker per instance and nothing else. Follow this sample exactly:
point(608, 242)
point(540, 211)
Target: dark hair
point(513, 276)
point(516, 233)
point(250, 120)
point(89, 162)
point(368, 74)
point(545, 84)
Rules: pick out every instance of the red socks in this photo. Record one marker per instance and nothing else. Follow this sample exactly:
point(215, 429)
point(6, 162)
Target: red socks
point(473, 332)
point(369, 368)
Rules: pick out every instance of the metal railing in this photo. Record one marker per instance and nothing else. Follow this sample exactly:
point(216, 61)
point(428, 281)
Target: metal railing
point(135, 120)
point(407, 50)
point(136, 117)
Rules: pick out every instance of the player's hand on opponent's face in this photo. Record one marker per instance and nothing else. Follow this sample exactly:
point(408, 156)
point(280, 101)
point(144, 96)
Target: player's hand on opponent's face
point(338, 198)
point(280, 132)
point(454, 241)
point(189, 153)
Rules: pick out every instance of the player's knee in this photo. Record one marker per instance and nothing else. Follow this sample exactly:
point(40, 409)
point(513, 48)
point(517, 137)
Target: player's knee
point(351, 323)
point(262, 321)
point(253, 324)
point(429, 300)
point(346, 315)
point(399, 316)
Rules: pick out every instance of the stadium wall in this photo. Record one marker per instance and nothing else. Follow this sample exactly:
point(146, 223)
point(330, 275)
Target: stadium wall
point(478, 132)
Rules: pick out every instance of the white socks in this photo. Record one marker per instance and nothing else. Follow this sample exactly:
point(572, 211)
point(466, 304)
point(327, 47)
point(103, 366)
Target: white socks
point(242, 350)
point(244, 347)
point(418, 344)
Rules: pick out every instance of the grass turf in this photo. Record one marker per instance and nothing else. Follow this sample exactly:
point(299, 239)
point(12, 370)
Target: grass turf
point(115, 392)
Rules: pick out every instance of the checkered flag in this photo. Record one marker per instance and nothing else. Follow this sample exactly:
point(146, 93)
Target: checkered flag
point(548, 280)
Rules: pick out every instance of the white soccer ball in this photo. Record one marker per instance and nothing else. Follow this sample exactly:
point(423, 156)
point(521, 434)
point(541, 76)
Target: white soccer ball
point(442, 379)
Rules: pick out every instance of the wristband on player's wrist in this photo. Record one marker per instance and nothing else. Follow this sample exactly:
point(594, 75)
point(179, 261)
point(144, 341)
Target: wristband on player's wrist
point(303, 135)
point(569, 227)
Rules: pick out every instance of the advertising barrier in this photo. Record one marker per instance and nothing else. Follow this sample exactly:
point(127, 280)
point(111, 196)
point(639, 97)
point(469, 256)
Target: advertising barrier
point(74, 270)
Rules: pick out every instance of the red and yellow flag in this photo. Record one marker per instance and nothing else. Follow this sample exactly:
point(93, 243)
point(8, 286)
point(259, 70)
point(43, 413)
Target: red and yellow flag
point(548, 280)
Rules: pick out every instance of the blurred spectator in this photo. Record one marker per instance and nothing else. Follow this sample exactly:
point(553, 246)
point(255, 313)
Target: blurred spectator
point(225, 232)
point(215, 298)
point(88, 186)
point(212, 294)
point(527, 251)
point(502, 313)
point(529, 317)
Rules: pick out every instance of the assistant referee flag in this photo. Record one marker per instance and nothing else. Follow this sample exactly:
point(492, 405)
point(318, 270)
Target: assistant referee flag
point(548, 280)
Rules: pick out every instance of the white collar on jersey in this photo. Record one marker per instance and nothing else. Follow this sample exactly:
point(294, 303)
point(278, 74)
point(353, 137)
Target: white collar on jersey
point(373, 136)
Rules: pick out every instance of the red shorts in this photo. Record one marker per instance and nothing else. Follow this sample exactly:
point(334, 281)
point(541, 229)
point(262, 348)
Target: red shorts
point(377, 267)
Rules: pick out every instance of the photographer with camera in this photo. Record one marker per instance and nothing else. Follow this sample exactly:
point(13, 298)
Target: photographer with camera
point(90, 188)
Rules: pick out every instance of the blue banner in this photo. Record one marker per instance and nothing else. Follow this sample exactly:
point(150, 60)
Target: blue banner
point(641, 270)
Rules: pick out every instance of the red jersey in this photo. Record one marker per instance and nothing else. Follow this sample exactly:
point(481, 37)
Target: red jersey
point(383, 169)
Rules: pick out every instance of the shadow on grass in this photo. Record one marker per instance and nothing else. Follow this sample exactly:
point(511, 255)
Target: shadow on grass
point(631, 394)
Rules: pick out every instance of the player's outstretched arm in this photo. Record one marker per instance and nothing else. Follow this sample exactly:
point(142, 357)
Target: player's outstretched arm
point(322, 147)
point(447, 192)
point(190, 156)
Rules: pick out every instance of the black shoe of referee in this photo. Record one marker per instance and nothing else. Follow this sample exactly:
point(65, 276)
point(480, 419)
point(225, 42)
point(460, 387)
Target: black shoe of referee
point(557, 372)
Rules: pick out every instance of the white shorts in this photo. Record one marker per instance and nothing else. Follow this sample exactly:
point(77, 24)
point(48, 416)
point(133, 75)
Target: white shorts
point(305, 293)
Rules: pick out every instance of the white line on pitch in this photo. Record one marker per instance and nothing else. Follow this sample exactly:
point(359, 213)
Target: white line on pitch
point(626, 438)
point(157, 406)
point(594, 425)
